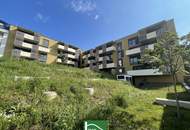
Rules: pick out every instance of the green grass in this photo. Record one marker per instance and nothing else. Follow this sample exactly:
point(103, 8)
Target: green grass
point(124, 106)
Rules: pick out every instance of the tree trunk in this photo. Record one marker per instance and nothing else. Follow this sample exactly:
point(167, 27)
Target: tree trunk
point(176, 95)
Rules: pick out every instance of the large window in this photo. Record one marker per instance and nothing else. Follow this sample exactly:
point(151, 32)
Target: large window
point(134, 59)
point(132, 42)
point(45, 43)
point(43, 57)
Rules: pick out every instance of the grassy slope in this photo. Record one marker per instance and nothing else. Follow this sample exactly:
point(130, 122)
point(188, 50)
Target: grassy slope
point(29, 94)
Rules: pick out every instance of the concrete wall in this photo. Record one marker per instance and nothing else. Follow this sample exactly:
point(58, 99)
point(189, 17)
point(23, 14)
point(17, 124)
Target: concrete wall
point(162, 79)
point(148, 80)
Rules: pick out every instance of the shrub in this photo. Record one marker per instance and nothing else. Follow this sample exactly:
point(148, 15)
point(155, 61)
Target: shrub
point(120, 101)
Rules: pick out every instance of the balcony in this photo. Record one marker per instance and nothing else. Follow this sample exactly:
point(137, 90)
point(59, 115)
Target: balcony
point(28, 36)
point(144, 72)
point(71, 56)
point(70, 62)
point(133, 51)
point(100, 66)
point(20, 53)
point(139, 49)
point(43, 49)
point(59, 60)
point(84, 56)
point(61, 47)
point(71, 50)
point(25, 54)
point(22, 35)
point(100, 59)
point(111, 65)
point(151, 35)
point(112, 48)
point(23, 44)
point(100, 52)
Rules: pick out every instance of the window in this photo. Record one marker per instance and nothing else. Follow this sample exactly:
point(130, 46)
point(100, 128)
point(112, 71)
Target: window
point(45, 43)
point(120, 77)
point(42, 57)
point(134, 59)
point(160, 31)
point(132, 42)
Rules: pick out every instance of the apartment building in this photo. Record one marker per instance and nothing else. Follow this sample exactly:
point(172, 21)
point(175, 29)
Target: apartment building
point(27, 44)
point(133, 47)
point(68, 54)
point(122, 56)
point(4, 31)
point(101, 58)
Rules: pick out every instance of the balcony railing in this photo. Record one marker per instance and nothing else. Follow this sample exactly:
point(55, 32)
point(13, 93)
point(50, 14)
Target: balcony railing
point(111, 65)
point(100, 66)
point(139, 49)
point(100, 59)
point(133, 51)
point(20, 53)
point(43, 49)
point(71, 56)
point(71, 50)
point(61, 47)
point(112, 48)
point(27, 36)
point(151, 35)
point(59, 60)
point(23, 44)
point(100, 51)
point(70, 62)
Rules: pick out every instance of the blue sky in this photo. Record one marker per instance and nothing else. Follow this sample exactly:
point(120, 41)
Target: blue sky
point(88, 23)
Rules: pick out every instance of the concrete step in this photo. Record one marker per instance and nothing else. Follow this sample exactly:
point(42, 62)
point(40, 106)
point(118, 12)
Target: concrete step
point(169, 102)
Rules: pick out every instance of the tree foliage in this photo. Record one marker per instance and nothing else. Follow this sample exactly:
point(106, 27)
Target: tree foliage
point(168, 55)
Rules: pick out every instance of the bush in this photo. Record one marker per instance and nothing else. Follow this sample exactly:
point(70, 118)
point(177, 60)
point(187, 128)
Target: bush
point(59, 119)
point(120, 101)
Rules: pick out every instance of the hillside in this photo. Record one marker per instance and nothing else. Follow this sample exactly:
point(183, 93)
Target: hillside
point(23, 104)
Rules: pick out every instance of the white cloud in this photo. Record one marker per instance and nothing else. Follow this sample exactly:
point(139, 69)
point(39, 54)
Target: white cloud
point(96, 17)
point(40, 17)
point(83, 5)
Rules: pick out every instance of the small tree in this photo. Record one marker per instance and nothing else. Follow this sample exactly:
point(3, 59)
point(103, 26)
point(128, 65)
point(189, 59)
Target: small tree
point(186, 43)
point(63, 57)
point(169, 56)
